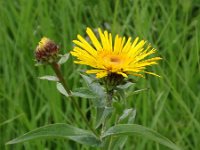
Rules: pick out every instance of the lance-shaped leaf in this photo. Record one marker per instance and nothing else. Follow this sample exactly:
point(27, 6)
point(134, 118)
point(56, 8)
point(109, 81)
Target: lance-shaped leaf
point(50, 78)
point(134, 129)
point(125, 86)
point(102, 115)
point(128, 116)
point(97, 89)
point(63, 59)
point(93, 86)
point(61, 89)
point(59, 130)
point(84, 93)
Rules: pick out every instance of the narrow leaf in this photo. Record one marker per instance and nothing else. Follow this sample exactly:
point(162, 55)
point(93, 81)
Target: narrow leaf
point(63, 59)
point(84, 93)
point(50, 78)
point(94, 86)
point(132, 116)
point(125, 86)
point(61, 89)
point(129, 115)
point(103, 113)
point(141, 90)
point(130, 93)
point(97, 89)
point(59, 130)
point(119, 142)
point(133, 129)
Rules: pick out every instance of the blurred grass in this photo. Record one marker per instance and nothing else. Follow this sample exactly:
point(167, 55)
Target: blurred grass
point(171, 105)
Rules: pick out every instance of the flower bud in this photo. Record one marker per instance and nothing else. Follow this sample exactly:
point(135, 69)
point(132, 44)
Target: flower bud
point(46, 51)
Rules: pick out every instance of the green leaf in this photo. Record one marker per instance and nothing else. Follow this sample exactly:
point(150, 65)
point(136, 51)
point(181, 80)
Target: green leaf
point(94, 86)
point(63, 59)
point(102, 114)
point(50, 78)
point(128, 116)
point(97, 89)
point(84, 93)
point(125, 86)
point(131, 93)
point(61, 89)
point(139, 91)
point(59, 130)
point(134, 129)
point(119, 142)
point(132, 115)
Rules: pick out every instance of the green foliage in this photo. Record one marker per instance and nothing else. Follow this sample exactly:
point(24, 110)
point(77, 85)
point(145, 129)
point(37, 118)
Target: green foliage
point(96, 89)
point(61, 89)
point(103, 113)
point(49, 78)
point(134, 129)
point(84, 93)
point(63, 59)
point(128, 116)
point(86, 137)
point(170, 106)
point(59, 131)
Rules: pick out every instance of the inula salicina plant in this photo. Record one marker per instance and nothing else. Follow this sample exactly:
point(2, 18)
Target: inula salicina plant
point(112, 64)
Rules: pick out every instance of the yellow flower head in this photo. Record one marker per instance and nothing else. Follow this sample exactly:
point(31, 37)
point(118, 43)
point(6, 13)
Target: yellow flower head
point(46, 51)
point(116, 56)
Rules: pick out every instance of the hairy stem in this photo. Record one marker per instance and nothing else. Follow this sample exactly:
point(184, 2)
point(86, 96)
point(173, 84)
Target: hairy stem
point(109, 97)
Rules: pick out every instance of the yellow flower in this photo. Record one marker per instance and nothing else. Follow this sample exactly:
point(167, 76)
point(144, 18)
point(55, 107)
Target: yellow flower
point(116, 56)
point(46, 51)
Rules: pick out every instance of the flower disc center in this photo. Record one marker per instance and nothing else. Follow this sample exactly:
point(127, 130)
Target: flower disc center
point(114, 60)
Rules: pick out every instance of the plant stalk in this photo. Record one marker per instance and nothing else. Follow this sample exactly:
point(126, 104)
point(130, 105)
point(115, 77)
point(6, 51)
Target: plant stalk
point(57, 70)
point(109, 97)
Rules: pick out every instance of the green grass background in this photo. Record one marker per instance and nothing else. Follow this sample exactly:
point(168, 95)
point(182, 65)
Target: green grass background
point(171, 105)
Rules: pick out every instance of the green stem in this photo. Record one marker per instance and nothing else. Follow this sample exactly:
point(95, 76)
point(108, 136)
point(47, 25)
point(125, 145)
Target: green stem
point(109, 103)
point(109, 98)
point(57, 70)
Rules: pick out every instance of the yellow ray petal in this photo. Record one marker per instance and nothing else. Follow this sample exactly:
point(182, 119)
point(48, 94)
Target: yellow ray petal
point(151, 73)
point(101, 74)
point(138, 75)
point(93, 38)
point(86, 47)
point(110, 40)
point(84, 56)
point(147, 62)
point(135, 50)
point(135, 42)
point(142, 56)
point(107, 44)
point(93, 71)
point(123, 74)
point(122, 43)
point(117, 44)
point(127, 46)
point(103, 40)
point(133, 69)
